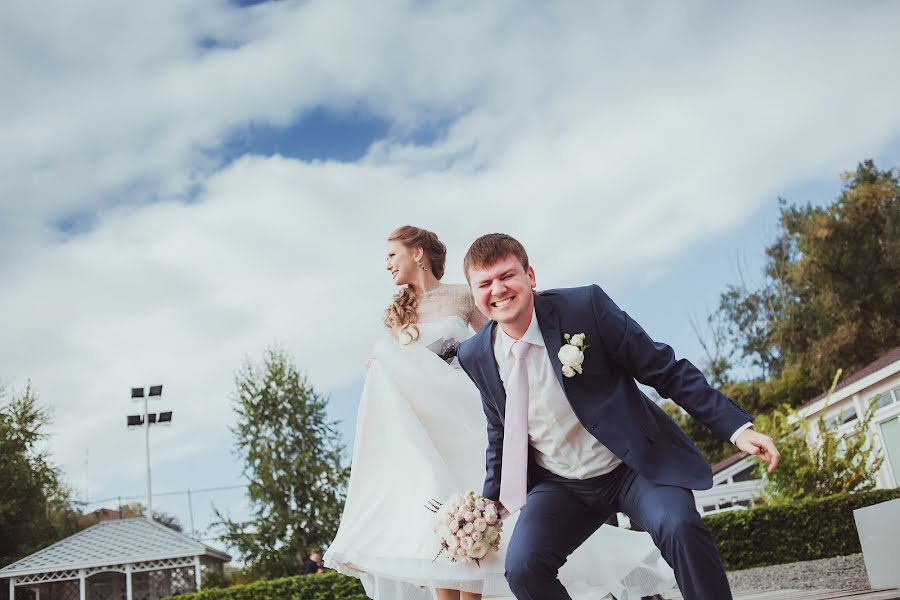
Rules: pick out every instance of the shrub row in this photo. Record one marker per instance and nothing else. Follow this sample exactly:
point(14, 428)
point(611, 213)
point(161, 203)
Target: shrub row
point(757, 537)
point(772, 535)
point(324, 586)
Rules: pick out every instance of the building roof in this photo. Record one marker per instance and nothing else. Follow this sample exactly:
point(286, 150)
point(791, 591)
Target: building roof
point(882, 362)
point(110, 543)
point(731, 460)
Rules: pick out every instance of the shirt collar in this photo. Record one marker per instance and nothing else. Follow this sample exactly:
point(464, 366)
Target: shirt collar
point(532, 336)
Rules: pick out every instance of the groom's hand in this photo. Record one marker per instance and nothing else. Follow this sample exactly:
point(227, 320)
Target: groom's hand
point(759, 445)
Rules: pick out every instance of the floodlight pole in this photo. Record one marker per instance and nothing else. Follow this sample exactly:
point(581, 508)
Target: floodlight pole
point(149, 514)
point(135, 420)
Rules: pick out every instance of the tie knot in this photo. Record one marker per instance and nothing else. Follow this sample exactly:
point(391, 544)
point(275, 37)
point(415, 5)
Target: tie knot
point(520, 349)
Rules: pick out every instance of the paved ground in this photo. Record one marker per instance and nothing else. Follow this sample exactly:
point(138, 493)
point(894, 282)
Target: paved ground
point(810, 595)
point(842, 577)
point(838, 573)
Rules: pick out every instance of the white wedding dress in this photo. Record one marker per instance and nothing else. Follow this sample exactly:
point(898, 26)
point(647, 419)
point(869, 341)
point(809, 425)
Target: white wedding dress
point(421, 434)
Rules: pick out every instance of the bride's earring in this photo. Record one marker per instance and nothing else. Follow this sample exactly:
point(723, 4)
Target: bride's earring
point(419, 262)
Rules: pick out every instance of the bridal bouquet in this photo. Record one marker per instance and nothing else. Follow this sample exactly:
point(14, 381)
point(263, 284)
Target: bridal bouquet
point(468, 526)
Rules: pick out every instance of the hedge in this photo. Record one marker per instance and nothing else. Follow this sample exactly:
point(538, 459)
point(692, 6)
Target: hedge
point(772, 535)
point(324, 586)
point(756, 537)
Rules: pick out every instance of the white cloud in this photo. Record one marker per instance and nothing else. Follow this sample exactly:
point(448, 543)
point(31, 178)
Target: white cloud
point(625, 134)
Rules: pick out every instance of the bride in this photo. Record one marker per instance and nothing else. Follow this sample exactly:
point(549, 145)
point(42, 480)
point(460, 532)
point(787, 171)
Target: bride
point(421, 434)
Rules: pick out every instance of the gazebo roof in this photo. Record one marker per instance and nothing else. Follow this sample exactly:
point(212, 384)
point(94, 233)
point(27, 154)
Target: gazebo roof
point(110, 543)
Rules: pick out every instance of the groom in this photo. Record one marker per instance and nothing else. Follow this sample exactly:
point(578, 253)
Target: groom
point(569, 445)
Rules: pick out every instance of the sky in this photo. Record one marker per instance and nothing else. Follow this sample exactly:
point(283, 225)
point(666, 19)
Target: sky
point(184, 184)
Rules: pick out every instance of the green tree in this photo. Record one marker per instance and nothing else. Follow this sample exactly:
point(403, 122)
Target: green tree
point(293, 461)
point(832, 464)
point(137, 509)
point(35, 509)
point(830, 296)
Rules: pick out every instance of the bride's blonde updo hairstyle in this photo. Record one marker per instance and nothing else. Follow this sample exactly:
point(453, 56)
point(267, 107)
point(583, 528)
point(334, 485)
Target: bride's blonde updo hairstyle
point(401, 316)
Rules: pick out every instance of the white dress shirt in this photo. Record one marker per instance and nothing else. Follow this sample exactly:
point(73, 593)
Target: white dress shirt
point(562, 445)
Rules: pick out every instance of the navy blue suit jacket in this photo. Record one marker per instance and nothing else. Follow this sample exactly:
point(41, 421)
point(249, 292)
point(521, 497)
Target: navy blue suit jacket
point(605, 397)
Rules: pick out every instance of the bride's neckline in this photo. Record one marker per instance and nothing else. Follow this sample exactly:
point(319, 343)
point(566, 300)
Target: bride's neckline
point(432, 291)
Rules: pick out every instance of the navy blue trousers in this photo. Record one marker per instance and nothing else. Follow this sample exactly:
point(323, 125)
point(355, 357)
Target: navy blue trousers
point(561, 514)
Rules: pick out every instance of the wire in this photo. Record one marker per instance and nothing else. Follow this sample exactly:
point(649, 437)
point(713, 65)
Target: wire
point(180, 493)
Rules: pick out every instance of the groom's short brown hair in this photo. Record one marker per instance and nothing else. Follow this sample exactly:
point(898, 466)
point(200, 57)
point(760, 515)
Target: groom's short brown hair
point(492, 247)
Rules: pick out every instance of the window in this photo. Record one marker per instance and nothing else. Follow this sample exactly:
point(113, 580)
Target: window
point(887, 398)
point(748, 474)
point(846, 415)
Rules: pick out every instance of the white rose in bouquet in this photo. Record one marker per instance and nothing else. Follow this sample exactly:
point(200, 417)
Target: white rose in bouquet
point(478, 550)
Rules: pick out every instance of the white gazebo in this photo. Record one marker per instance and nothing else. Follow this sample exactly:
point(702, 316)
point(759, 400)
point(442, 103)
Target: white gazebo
point(135, 559)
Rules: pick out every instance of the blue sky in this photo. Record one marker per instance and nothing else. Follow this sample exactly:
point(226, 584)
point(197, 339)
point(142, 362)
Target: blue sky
point(185, 184)
point(320, 134)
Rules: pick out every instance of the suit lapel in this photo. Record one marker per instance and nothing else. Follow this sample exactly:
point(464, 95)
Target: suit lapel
point(548, 321)
point(489, 367)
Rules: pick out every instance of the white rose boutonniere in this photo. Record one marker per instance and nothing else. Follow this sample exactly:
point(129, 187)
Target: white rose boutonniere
point(571, 355)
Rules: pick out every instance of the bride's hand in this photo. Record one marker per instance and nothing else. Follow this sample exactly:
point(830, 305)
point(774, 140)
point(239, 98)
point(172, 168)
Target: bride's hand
point(501, 510)
point(369, 362)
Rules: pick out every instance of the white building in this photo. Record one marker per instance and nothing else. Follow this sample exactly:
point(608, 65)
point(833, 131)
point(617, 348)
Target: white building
point(735, 484)
point(879, 383)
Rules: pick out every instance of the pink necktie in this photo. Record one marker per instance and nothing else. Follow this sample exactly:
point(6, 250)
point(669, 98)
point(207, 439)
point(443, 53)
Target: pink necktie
point(514, 471)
